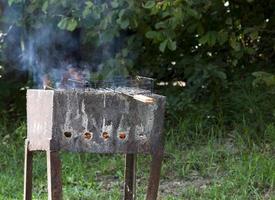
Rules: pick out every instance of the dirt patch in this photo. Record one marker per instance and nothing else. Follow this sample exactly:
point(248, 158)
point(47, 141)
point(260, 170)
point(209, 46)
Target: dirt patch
point(177, 187)
point(173, 187)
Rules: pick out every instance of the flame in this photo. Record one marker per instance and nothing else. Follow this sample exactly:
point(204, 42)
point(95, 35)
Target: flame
point(71, 78)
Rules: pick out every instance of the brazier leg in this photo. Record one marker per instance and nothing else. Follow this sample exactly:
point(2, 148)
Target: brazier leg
point(130, 177)
point(54, 176)
point(28, 173)
point(153, 185)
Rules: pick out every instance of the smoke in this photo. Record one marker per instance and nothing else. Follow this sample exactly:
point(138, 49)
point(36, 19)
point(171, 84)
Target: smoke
point(51, 55)
point(51, 52)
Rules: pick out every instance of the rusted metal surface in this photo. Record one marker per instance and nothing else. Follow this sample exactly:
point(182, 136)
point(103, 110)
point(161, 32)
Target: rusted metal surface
point(130, 177)
point(66, 116)
point(153, 185)
point(28, 172)
point(96, 121)
point(54, 176)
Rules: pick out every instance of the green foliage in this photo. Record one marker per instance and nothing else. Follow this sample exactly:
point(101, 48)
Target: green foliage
point(12, 99)
point(229, 35)
point(242, 110)
point(66, 23)
point(10, 2)
point(210, 45)
point(264, 78)
point(214, 46)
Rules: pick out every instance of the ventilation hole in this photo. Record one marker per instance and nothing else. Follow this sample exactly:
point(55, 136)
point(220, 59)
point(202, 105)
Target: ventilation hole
point(122, 135)
point(67, 134)
point(105, 135)
point(141, 135)
point(88, 135)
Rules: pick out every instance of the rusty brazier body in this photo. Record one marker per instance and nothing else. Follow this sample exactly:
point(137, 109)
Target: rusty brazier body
point(96, 121)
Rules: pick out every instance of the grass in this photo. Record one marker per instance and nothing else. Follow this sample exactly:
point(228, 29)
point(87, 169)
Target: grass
point(226, 153)
point(207, 168)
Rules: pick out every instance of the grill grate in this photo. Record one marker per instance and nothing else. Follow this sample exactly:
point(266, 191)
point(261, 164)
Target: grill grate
point(138, 84)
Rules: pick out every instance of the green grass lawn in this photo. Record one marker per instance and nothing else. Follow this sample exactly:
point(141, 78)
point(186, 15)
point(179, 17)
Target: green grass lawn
point(202, 168)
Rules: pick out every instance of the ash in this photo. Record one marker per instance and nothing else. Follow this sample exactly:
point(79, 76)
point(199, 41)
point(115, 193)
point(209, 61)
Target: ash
point(132, 90)
point(121, 90)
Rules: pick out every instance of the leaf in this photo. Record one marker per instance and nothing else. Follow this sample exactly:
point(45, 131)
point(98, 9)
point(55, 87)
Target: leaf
point(31, 8)
point(149, 4)
point(121, 13)
point(210, 38)
point(135, 22)
point(63, 23)
point(234, 43)
point(174, 23)
point(125, 52)
point(107, 36)
point(220, 74)
point(10, 2)
point(69, 24)
point(151, 34)
point(203, 39)
point(160, 25)
point(164, 5)
point(192, 27)
point(172, 45)
point(222, 37)
point(192, 12)
point(104, 24)
point(89, 4)
point(163, 45)
point(114, 4)
point(261, 74)
point(124, 23)
point(72, 24)
point(250, 50)
point(86, 12)
point(254, 35)
point(228, 21)
point(45, 6)
point(264, 77)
